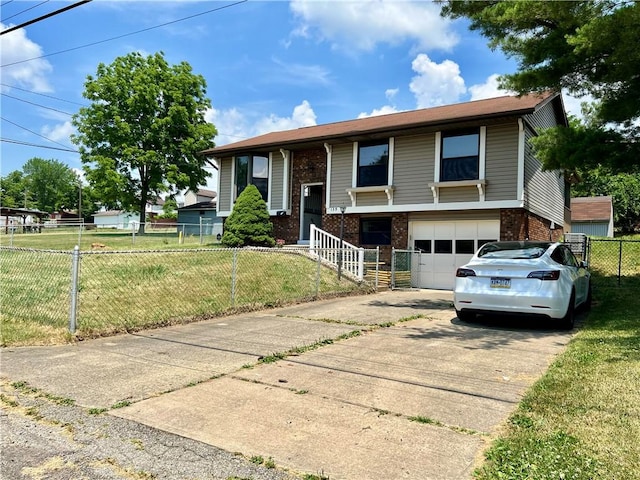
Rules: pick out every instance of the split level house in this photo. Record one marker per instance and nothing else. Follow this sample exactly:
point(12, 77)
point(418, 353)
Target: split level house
point(443, 180)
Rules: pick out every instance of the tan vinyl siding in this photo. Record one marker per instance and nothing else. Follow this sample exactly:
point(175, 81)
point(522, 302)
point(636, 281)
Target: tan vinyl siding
point(277, 180)
point(455, 216)
point(226, 184)
point(501, 171)
point(369, 199)
point(459, 194)
point(413, 161)
point(545, 117)
point(543, 191)
point(341, 174)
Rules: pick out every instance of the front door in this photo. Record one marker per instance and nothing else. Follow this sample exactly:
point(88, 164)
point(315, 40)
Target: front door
point(310, 209)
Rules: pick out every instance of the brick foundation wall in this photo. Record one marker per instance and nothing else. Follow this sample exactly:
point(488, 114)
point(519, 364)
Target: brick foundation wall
point(518, 224)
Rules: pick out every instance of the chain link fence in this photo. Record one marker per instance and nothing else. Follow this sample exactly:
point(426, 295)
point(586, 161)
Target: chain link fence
point(120, 291)
point(614, 262)
point(64, 236)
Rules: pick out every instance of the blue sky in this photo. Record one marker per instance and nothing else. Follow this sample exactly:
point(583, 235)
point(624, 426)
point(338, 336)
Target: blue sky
point(269, 65)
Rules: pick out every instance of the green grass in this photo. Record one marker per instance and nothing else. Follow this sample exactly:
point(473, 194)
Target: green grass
point(67, 238)
point(581, 420)
point(131, 291)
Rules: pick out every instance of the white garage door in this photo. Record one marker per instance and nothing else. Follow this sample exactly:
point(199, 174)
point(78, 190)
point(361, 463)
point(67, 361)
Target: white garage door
point(446, 246)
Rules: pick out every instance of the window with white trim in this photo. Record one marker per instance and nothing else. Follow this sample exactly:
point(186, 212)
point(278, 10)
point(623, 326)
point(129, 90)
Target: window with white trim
point(252, 170)
point(460, 155)
point(373, 163)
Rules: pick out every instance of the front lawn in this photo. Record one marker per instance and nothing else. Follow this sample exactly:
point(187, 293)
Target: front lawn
point(581, 420)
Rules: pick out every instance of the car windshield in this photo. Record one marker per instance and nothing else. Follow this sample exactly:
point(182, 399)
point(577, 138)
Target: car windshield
point(513, 250)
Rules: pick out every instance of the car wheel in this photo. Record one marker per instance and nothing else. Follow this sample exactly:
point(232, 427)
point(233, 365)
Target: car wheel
point(568, 321)
point(465, 316)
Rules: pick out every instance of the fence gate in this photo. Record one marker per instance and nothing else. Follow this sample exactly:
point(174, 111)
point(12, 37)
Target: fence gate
point(405, 268)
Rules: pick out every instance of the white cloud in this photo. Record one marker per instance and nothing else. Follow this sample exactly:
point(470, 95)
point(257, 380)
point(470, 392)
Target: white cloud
point(488, 89)
point(234, 126)
point(384, 110)
point(15, 47)
point(303, 116)
point(436, 83)
point(391, 93)
point(60, 132)
point(363, 24)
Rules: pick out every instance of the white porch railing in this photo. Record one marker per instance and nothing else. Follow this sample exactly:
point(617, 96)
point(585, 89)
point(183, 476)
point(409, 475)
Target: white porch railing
point(328, 247)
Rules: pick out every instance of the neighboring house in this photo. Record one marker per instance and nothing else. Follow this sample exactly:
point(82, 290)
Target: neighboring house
point(202, 195)
point(156, 208)
point(592, 216)
point(443, 180)
point(199, 218)
point(117, 219)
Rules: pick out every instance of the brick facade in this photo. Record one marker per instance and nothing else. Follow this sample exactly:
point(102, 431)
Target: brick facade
point(519, 224)
point(308, 166)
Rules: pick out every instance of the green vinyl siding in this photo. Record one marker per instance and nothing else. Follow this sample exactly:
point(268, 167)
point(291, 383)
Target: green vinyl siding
point(543, 190)
point(459, 194)
point(341, 174)
point(226, 184)
point(370, 199)
point(277, 180)
point(501, 170)
point(413, 165)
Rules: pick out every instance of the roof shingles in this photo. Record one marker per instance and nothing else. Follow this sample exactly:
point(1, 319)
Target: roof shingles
point(493, 107)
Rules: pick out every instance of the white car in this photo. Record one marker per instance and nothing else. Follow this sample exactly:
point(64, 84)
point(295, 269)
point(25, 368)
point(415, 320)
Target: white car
point(523, 277)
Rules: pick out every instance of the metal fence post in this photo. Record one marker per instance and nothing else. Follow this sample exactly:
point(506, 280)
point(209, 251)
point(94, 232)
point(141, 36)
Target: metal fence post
point(201, 232)
point(377, 265)
point(620, 262)
point(234, 266)
point(75, 268)
point(318, 275)
point(393, 268)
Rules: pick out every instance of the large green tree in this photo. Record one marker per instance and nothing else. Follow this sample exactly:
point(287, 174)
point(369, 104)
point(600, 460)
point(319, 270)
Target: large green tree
point(51, 184)
point(141, 135)
point(13, 191)
point(583, 47)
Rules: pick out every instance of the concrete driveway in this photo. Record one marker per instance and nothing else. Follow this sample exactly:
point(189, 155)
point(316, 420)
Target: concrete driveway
point(418, 399)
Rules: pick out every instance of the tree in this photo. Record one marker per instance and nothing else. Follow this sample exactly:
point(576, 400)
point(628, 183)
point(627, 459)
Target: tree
point(585, 47)
point(51, 184)
point(249, 222)
point(13, 190)
point(141, 135)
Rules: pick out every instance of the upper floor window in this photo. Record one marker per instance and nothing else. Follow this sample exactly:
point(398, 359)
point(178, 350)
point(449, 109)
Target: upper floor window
point(460, 157)
point(373, 163)
point(254, 170)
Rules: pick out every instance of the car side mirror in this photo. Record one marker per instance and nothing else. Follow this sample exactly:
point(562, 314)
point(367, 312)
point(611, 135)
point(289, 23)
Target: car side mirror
point(583, 264)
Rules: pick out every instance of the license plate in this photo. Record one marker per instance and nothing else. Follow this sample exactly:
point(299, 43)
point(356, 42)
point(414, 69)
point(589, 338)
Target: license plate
point(498, 282)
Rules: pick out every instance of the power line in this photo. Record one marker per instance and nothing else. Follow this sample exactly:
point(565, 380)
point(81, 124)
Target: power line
point(122, 36)
point(43, 17)
point(36, 104)
point(6, 3)
point(35, 133)
point(43, 95)
point(25, 10)
point(18, 142)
